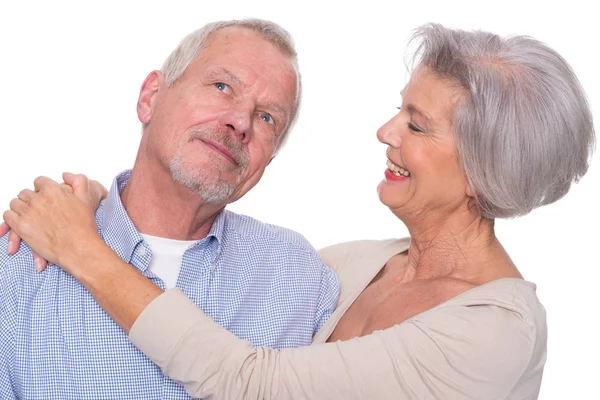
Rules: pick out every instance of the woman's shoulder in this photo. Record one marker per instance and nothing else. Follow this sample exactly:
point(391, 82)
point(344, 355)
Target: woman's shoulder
point(505, 313)
point(495, 332)
point(360, 253)
point(514, 296)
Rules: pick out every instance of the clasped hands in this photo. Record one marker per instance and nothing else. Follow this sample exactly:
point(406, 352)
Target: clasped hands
point(54, 217)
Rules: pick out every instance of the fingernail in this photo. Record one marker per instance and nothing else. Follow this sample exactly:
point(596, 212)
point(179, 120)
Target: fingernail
point(38, 265)
point(10, 247)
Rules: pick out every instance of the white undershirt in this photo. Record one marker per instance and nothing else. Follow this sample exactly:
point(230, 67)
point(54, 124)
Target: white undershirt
point(166, 257)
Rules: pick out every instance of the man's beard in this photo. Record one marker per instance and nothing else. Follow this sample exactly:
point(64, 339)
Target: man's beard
point(207, 183)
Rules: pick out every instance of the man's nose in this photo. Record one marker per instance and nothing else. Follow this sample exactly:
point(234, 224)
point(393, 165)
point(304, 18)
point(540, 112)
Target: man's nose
point(239, 122)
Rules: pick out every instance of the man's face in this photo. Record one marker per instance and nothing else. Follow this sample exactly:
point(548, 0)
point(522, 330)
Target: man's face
point(217, 127)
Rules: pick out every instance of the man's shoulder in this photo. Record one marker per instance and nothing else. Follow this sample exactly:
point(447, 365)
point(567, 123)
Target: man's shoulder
point(21, 258)
point(19, 266)
point(14, 268)
point(253, 231)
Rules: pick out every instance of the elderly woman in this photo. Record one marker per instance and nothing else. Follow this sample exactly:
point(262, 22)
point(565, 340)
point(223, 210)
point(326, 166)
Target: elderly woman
point(489, 128)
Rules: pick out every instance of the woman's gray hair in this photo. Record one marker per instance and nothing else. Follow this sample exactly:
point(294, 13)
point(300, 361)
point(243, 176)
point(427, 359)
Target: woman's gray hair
point(523, 126)
point(189, 49)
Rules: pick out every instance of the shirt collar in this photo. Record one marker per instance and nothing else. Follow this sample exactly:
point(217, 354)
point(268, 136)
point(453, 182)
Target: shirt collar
point(218, 226)
point(119, 232)
point(117, 229)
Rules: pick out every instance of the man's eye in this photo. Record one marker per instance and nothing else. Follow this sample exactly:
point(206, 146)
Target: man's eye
point(267, 118)
point(221, 86)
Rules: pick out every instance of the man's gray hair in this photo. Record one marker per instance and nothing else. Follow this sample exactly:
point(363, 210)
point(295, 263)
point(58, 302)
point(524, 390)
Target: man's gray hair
point(523, 126)
point(189, 49)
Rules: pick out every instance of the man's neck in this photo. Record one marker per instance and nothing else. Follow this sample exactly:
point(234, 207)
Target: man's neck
point(159, 206)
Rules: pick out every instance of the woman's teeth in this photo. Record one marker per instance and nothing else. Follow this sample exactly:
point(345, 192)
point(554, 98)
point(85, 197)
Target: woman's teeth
point(396, 170)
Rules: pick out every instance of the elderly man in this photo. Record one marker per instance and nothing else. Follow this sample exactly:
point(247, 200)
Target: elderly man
point(213, 118)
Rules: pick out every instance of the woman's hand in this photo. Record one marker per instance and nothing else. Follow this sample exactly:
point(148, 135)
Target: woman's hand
point(56, 220)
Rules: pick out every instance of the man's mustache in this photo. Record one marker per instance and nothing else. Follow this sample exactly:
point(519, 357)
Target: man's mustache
point(235, 147)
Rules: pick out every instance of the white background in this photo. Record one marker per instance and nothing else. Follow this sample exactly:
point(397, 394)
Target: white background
point(70, 75)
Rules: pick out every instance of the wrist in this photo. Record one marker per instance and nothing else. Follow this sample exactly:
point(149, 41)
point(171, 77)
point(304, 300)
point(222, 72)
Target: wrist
point(87, 259)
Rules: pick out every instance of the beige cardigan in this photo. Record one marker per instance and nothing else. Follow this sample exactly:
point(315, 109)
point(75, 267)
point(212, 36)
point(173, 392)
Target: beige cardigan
point(486, 343)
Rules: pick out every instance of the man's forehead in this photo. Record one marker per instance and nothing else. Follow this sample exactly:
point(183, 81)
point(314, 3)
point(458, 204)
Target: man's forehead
point(227, 55)
point(232, 34)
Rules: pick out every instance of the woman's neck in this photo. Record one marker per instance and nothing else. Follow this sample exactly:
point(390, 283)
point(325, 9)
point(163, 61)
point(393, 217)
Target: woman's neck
point(461, 246)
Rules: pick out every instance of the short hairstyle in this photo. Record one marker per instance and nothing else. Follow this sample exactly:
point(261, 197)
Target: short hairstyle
point(523, 126)
point(189, 49)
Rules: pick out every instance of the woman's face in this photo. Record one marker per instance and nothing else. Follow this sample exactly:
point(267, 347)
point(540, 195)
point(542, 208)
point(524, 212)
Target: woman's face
point(423, 172)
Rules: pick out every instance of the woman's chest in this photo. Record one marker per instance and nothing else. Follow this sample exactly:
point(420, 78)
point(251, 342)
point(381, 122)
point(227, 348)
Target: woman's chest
point(383, 304)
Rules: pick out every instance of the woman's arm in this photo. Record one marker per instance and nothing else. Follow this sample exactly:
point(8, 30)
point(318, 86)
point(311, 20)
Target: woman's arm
point(122, 291)
point(454, 353)
point(58, 221)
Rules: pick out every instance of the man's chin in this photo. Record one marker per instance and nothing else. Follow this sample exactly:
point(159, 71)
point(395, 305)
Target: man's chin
point(213, 194)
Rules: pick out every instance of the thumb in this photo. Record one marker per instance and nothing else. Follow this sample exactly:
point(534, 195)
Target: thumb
point(79, 183)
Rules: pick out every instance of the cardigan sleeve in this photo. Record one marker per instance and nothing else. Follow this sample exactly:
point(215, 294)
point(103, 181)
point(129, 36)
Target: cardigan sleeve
point(457, 352)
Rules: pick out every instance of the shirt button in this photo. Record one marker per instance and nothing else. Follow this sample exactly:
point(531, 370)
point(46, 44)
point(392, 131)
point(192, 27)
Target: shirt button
point(142, 251)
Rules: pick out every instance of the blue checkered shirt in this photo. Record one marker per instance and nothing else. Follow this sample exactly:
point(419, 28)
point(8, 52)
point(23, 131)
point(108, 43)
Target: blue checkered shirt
point(264, 283)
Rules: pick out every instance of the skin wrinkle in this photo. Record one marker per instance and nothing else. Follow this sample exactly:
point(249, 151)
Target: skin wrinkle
point(453, 247)
point(448, 237)
point(440, 253)
point(219, 190)
point(174, 113)
point(195, 43)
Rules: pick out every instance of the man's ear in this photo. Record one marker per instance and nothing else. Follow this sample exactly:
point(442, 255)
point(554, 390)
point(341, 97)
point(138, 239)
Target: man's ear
point(153, 82)
point(271, 160)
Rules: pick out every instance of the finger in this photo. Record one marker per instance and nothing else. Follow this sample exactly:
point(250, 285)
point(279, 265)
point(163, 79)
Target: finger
point(17, 205)
point(99, 191)
point(68, 177)
point(4, 228)
point(41, 182)
point(67, 188)
point(80, 184)
point(26, 195)
point(39, 262)
point(14, 242)
point(97, 194)
point(11, 218)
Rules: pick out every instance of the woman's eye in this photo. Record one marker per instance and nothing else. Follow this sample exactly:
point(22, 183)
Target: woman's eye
point(267, 118)
point(221, 86)
point(414, 128)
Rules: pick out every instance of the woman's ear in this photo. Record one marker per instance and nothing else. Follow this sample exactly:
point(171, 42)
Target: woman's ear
point(469, 191)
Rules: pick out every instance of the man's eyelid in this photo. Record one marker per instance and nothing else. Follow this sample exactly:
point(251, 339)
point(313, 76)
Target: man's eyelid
point(273, 119)
point(217, 85)
point(278, 116)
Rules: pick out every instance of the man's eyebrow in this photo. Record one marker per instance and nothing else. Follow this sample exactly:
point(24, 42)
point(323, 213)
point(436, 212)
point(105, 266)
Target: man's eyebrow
point(277, 108)
point(219, 72)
